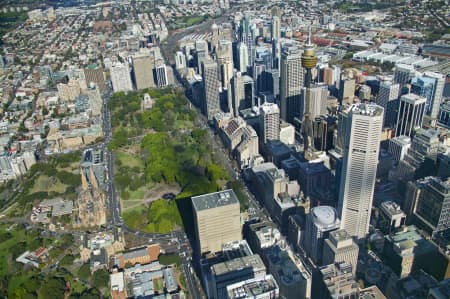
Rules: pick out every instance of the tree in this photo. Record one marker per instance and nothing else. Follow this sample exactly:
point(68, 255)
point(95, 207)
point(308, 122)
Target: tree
point(100, 279)
point(53, 287)
point(84, 272)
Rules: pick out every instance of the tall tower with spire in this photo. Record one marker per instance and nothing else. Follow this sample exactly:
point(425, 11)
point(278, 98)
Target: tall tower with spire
point(309, 60)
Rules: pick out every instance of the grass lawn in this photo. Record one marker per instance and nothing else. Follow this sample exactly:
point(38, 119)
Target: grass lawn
point(169, 259)
point(184, 124)
point(46, 184)
point(140, 192)
point(129, 160)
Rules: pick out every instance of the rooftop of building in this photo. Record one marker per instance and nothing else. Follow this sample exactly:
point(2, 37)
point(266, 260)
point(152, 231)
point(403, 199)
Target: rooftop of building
point(402, 140)
point(253, 261)
point(252, 288)
point(325, 216)
point(391, 208)
point(214, 200)
point(410, 238)
point(368, 109)
point(372, 292)
point(412, 98)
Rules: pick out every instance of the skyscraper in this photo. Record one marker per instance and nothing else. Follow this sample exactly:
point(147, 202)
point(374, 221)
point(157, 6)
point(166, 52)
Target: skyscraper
point(143, 65)
point(276, 30)
point(211, 89)
point(430, 86)
point(410, 114)
point(217, 220)
point(241, 93)
point(243, 57)
point(161, 75)
point(120, 77)
point(339, 247)
point(269, 122)
point(347, 91)
point(363, 127)
point(180, 60)
point(320, 222)
point(403, 74)
point(225, 60)
point(433, 206)
point(291, 82)
point(388, 92)
point(315, 100)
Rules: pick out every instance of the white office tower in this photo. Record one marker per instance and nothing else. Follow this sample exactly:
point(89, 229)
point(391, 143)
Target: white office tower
point(225, 61)
point(269, 117)
point(291, 82)
point(243, 57)
point(180, 60)
point(211, 89)
point(120, 77)
point(364, 123)
point(276, 28)
point(403, 73)
point(319, 223)
point(410, 114)
point(388, 92)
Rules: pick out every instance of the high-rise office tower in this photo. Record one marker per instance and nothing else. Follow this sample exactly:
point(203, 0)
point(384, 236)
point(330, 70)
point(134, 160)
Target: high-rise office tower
point(276, 28)
point(313, 104)
point(327, 75)
point(180, 60)
point(403, 74)
point(424, 149)
point(398, 147)
point(211, 89)
point(430, 86)
point(243, 57)
point(259, 76)
point(246, 36)
point(433, 206)
point(320, 222)
point(241, 93)
point(364, 123)
point(388, 92)
point(410, 114)
point(269, 122)
point(340, 247)
point(161, 76)
point(309, 60)
point(93, 73)
point(143, 71)
point(217, 220)
point(347, 91)
point(315, 100)
point(120, 77)
point(225, 60)
point(291, 82)
point(201, 53)
point(276, 55)
point(273, 82)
